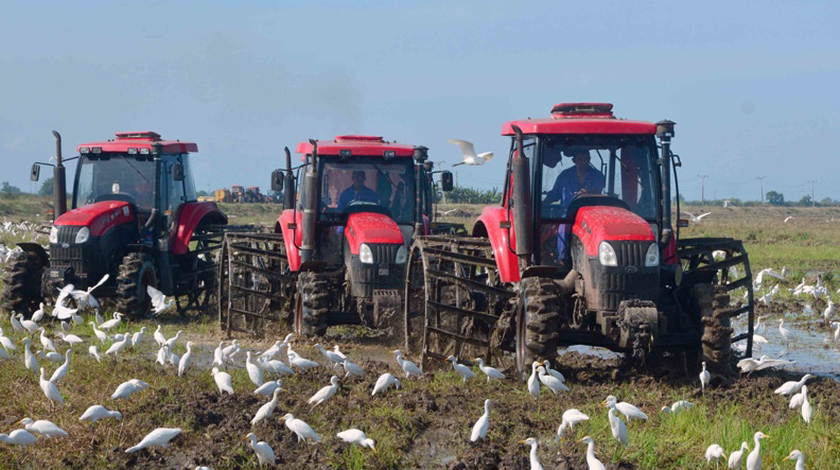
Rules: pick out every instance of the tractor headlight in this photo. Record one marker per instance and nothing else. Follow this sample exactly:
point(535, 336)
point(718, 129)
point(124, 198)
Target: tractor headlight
point(606, 255)
point(652, 256)
point(402, 255)
point(365, 254)
point(54, 234)
point(83, 235)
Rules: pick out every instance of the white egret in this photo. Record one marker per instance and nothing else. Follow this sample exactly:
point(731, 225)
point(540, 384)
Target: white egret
point(355, 436)
point(159, 338)
point(829, 311)
point(468, 155)
point(705, 377)
point(171, 342)
point(302, 430)
point(617, 426)
point(125, 389)
point(137, 337)
point(72, 340)
point(836, 325)
point(50, 390)
point(407, 366)
point(38, 315)
point(338, 351)
point(714, 452)
point(98, 317)
point(62, 370)
point(162, 355)
point(99, 412)
point(265, 454)
point(254, 371)
point(570, 418)
point(20, 437)
point(268, 388)
point(696, 218)
point(299, 362)
point(754, 458)
point(101, 335)
point(677, 406)
point(793, 386)
point(43, 427)
point(552, 372)
point(591, 460)
point(324, 394)
point(736, 456)
point(807, 411)
point(93, 352)
point(351, 368)
point(51, 355)
point(533, 381)
point(6, 342)
point(750, 365)
point(799, 457)
point(462, 370)
point(46, 342)
point(110, 324)
point(383, 382)
point(160, 437)
point(490, 372)
point(85, 298)
point(551, 382)
point(28, 325)
point(784, 332)
point(218, 360)
point(535, 461)
point(159, 303)
point(223, 380)
point(334, 358)
point(116, 347)
point(185, 362)
point(796, 401)
point(479, 430)
point(267, 409)
point(270, 352)
point(274, 366)
point(16, 326)
point(229, 351)
point(29, 359)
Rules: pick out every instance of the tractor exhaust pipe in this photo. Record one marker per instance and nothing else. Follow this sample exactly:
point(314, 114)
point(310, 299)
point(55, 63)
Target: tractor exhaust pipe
point(522, 217)
point(289, 192)
point(421, 153)
point(310, 207)
point(59, 180)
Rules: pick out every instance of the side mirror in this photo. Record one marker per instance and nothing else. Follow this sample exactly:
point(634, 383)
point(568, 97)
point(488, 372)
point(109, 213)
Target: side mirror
point(446, 183)
point(178, 172)
point(35, 173)
point(277, 180)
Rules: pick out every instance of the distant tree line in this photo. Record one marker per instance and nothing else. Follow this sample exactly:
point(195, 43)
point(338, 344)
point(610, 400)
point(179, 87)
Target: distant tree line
point(464, 195)
point(772, 198)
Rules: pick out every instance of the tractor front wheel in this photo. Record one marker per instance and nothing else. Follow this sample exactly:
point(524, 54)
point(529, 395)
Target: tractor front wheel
point(137, 272)
point(311, 305)
point(538, 322)
point(22, 284)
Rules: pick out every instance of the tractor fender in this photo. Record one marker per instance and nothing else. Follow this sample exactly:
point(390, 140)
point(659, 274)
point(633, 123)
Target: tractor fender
point(371, 228)
point(36, 250)
point(594, 224)
point(189, 216)
point(501, 239)
point(99, 217)
point(290, 224)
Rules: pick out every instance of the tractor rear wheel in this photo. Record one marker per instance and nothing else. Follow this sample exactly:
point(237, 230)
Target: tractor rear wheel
point(538, 322)
point(137, 272)
point(312, 305)
point(22, 284)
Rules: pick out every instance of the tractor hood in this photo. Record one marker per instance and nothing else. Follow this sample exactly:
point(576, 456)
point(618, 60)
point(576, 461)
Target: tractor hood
point(595, 224)
point(371, 228)
point(99, 216)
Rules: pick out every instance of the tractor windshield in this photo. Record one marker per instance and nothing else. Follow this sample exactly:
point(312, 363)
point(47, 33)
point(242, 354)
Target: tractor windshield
point(388, 185)
point(119, 177)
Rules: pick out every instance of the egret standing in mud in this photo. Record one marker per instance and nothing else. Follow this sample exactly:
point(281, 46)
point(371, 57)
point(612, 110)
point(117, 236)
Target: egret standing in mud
point(490, 372)
point(302, 430)
point(462, 370)
point(591, 461)
point(705, 377)
point(479, 430)
point(535, 460)
point(265, 454)
point(355, 436)
point(570, 418)
point(407, 366)
point(383, 382)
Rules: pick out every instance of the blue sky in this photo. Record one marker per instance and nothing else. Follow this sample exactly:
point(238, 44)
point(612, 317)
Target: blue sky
point(752, 86)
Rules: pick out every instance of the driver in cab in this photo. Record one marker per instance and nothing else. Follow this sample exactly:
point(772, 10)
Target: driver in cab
point(575, 181)
point(357, 192)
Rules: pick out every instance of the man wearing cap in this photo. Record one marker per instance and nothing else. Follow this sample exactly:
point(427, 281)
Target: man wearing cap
point(575, 181)
point(357, 192)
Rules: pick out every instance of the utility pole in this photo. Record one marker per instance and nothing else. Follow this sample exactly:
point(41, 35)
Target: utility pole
point(762, 186)
point(813, 201)
point(703, 189)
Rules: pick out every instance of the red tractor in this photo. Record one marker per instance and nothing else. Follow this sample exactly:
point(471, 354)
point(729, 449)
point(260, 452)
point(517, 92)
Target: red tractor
point(135, 217)
point(338, 250)
point(582, 250)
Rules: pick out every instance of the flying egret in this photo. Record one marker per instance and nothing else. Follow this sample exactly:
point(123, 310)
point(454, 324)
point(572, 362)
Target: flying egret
point(807, 411)
point(50, 390)
point(714, 452)
point(302, 430)
point(72, 340)
point(267, 409)
point(113, 323)
point(159, 303)
point(355, 436)
point(551, 382)
point(799, 457)
point(159, 336)
point(407, 366)
point(29, 359)
point(101, 335)
point(334, 358)
point(324, 394)
point(490, 372)
point(92, 351)
point(351, 368)
point(85, 298)
point(736, 456)
point(125, 389)
point(552, 372)
point(617, 426)
point(299, 362)
point(98, 412)
point(185, 362)
point(254, 371)
point(268, 388)
point(20, 437)
point(265, 454)
point(479, 430)
point(535, 461)
point(43, 427)
point(793, 386)
point(383, 382)
point(570, 418)
point(160, 437)
point(754, 458)
point(223, 381)
point(62, 370)
point(705, 377)
point(750, 365)
point(462, 370)
point(468, 155)
point(591, 460)
point(533, 381)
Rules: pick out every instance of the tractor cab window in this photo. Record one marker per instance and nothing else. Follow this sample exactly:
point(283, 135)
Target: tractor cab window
point(367, 182)
point(116, 177)
point(174, 193)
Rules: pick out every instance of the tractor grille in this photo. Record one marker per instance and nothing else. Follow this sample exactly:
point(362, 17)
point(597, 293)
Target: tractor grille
point(370, 276)
point(67, 233)
point(384, 253)
point(630, 253)
point(616, 287)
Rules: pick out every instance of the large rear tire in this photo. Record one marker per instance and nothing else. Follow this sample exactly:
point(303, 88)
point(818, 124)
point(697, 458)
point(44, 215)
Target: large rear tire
point(312, 305)
point(538, 322)
point(22, 284)
point(136, 273)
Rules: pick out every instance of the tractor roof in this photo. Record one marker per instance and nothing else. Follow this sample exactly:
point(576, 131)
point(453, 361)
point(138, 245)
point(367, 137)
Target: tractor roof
point(580, 118)
point(138, 140)
point(364, 145)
